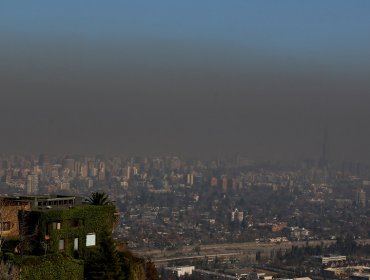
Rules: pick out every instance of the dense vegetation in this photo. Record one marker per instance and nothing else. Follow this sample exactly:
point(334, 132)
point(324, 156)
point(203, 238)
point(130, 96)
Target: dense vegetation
point(103, 261)
point(51, 266)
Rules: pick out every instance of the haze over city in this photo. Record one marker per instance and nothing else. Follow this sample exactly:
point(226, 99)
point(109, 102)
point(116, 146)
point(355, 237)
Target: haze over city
point(194, 78)
point(185, 140)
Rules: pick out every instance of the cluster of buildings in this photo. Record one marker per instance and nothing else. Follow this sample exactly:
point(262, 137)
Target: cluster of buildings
point(167, 203)
point(32, 175)
point(182, 202)
point(190, 272)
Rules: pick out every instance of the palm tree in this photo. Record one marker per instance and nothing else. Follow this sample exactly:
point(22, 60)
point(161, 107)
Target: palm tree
point(99, 198)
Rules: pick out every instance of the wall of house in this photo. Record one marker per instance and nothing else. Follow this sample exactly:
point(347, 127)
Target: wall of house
point(9, 214)
point(52, 226)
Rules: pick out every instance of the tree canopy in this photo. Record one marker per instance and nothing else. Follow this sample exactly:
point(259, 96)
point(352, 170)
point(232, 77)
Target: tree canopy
point(99, 198)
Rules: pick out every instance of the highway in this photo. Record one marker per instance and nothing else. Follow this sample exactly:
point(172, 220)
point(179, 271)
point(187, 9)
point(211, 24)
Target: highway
point(227, 249)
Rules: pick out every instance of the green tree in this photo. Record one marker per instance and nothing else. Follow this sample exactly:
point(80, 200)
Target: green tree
point(103, 263)
point(107, 263)
point(99, 198)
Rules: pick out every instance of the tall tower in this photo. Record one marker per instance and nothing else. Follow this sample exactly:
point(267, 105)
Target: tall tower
point(190, 179)
point(101, 172)
point(323, 160)
point(361, 198)
point(225, 183)
point(32, 184)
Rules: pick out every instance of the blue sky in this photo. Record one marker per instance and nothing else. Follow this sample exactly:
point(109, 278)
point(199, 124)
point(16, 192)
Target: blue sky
point(292, 26)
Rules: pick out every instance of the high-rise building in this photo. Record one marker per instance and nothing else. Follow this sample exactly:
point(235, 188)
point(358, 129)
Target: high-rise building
point(101, 173)
point(84, 170)
point(77, 168)
point(361, 198)
point(136, 169)
point(128, 172)
point(225, 183)
point(92, 169)
point(32, 184)
point(190, 179)
point(323, 162)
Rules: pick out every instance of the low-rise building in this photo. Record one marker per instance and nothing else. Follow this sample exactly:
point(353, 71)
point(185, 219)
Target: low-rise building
point(325, 259)
point(51, 224)
point(9, 219)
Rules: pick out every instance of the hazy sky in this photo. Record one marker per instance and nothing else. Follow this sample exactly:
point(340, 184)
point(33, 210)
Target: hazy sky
point(196, 78)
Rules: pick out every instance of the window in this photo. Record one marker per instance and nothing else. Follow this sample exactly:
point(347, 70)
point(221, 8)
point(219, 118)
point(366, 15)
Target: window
point(75, 244)
point(56, 225)
point(90, 239)
point(5, 226)
point(61, 244)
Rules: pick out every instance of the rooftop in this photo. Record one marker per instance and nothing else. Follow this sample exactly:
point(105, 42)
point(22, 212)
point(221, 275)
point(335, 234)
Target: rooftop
point(43, 202)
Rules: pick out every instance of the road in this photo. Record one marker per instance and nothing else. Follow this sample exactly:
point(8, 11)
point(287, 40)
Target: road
point(231, 249)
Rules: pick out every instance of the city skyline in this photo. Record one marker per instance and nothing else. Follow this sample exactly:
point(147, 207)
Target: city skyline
point(189, 139)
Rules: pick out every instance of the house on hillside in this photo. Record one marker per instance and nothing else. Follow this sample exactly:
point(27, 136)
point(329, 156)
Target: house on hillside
point(9, 220)
point(52, 224)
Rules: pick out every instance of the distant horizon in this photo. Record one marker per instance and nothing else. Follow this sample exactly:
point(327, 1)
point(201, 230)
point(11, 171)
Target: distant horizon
point(201, 79)
point(225, 157)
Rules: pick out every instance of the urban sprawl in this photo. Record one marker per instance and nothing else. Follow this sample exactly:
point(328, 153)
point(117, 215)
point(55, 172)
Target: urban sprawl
point(216, 219)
